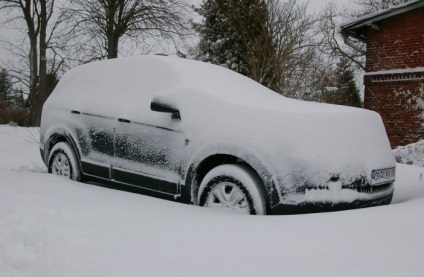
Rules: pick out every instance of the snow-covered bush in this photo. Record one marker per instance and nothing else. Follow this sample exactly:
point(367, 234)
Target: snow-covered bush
point(412, 154)
point(415, 100)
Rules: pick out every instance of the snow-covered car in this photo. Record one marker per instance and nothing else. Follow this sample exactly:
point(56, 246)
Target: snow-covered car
point(198, 133)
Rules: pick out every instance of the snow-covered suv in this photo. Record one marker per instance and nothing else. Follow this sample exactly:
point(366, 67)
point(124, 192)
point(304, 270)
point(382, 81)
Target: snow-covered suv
point(198, 133)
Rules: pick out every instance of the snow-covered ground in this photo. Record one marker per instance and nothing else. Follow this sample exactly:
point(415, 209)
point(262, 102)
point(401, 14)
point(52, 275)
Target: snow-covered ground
point(50, 226)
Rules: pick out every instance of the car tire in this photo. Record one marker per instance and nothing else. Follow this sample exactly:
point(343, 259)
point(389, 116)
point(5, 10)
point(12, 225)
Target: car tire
point(63, 161)
point(232, 187)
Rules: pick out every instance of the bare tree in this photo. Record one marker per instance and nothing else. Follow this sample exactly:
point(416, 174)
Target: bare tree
point(332, 42)
point(37, 16)
point(283, 53)
point(291, 29)
point(99, 25)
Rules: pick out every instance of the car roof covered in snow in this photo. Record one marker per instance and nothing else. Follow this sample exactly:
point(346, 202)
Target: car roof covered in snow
point(140, 79)
point(154, 74)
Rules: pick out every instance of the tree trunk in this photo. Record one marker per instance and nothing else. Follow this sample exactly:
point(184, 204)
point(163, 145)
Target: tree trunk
point(41, 91)
point(112, 37)
point(33, 56)
point(112, 51)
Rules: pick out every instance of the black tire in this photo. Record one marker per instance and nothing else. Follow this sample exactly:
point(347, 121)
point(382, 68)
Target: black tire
point(63, 161)
point(224, 185)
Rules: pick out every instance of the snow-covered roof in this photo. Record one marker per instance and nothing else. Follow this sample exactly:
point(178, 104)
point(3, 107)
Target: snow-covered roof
point(353, 28)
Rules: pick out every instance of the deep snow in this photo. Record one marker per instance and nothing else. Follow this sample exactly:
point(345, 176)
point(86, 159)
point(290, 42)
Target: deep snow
point(50, 226)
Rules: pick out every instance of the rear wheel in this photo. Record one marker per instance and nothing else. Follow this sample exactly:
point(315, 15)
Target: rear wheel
point(63, 161)
point(233, 188)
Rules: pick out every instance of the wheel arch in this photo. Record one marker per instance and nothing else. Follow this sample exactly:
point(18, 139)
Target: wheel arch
point(199, 168)
point(60, 135)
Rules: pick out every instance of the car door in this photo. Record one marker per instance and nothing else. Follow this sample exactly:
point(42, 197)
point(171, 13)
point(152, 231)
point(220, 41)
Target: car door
point(96, 141)
point(149, 153)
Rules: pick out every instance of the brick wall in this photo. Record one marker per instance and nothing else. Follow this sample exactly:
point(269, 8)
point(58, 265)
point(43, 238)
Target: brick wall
point(392, 97)
point(398, 44)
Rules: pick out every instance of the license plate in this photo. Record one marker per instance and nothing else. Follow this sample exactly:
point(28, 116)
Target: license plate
point(380, 176)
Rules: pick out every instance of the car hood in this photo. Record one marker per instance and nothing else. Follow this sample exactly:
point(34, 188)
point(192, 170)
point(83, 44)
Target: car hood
point(310, 149)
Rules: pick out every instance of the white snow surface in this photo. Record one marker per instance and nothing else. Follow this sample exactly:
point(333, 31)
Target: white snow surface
point(50, 226)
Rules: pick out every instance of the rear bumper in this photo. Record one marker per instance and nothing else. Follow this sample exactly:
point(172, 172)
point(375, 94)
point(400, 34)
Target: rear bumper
point(307, 206)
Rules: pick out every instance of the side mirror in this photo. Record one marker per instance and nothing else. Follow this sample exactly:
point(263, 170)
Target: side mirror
point(157, 106)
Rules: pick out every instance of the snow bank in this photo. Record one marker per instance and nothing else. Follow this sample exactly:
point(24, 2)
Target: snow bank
point(50, 226)
point(20, 150)
point(412, 154)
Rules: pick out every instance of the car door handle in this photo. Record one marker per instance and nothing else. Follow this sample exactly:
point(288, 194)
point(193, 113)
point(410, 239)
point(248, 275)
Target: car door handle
point(75, 112)
point(124, 120)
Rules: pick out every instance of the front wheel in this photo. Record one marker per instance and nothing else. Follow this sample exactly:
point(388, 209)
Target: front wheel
point(233, 188)
point(63, 161)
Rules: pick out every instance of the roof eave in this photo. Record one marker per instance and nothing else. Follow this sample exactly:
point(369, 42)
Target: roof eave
point(372, 19)
point(356, 29)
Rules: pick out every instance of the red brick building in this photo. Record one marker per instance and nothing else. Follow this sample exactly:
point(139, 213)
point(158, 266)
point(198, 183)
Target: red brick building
point(394, 77)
